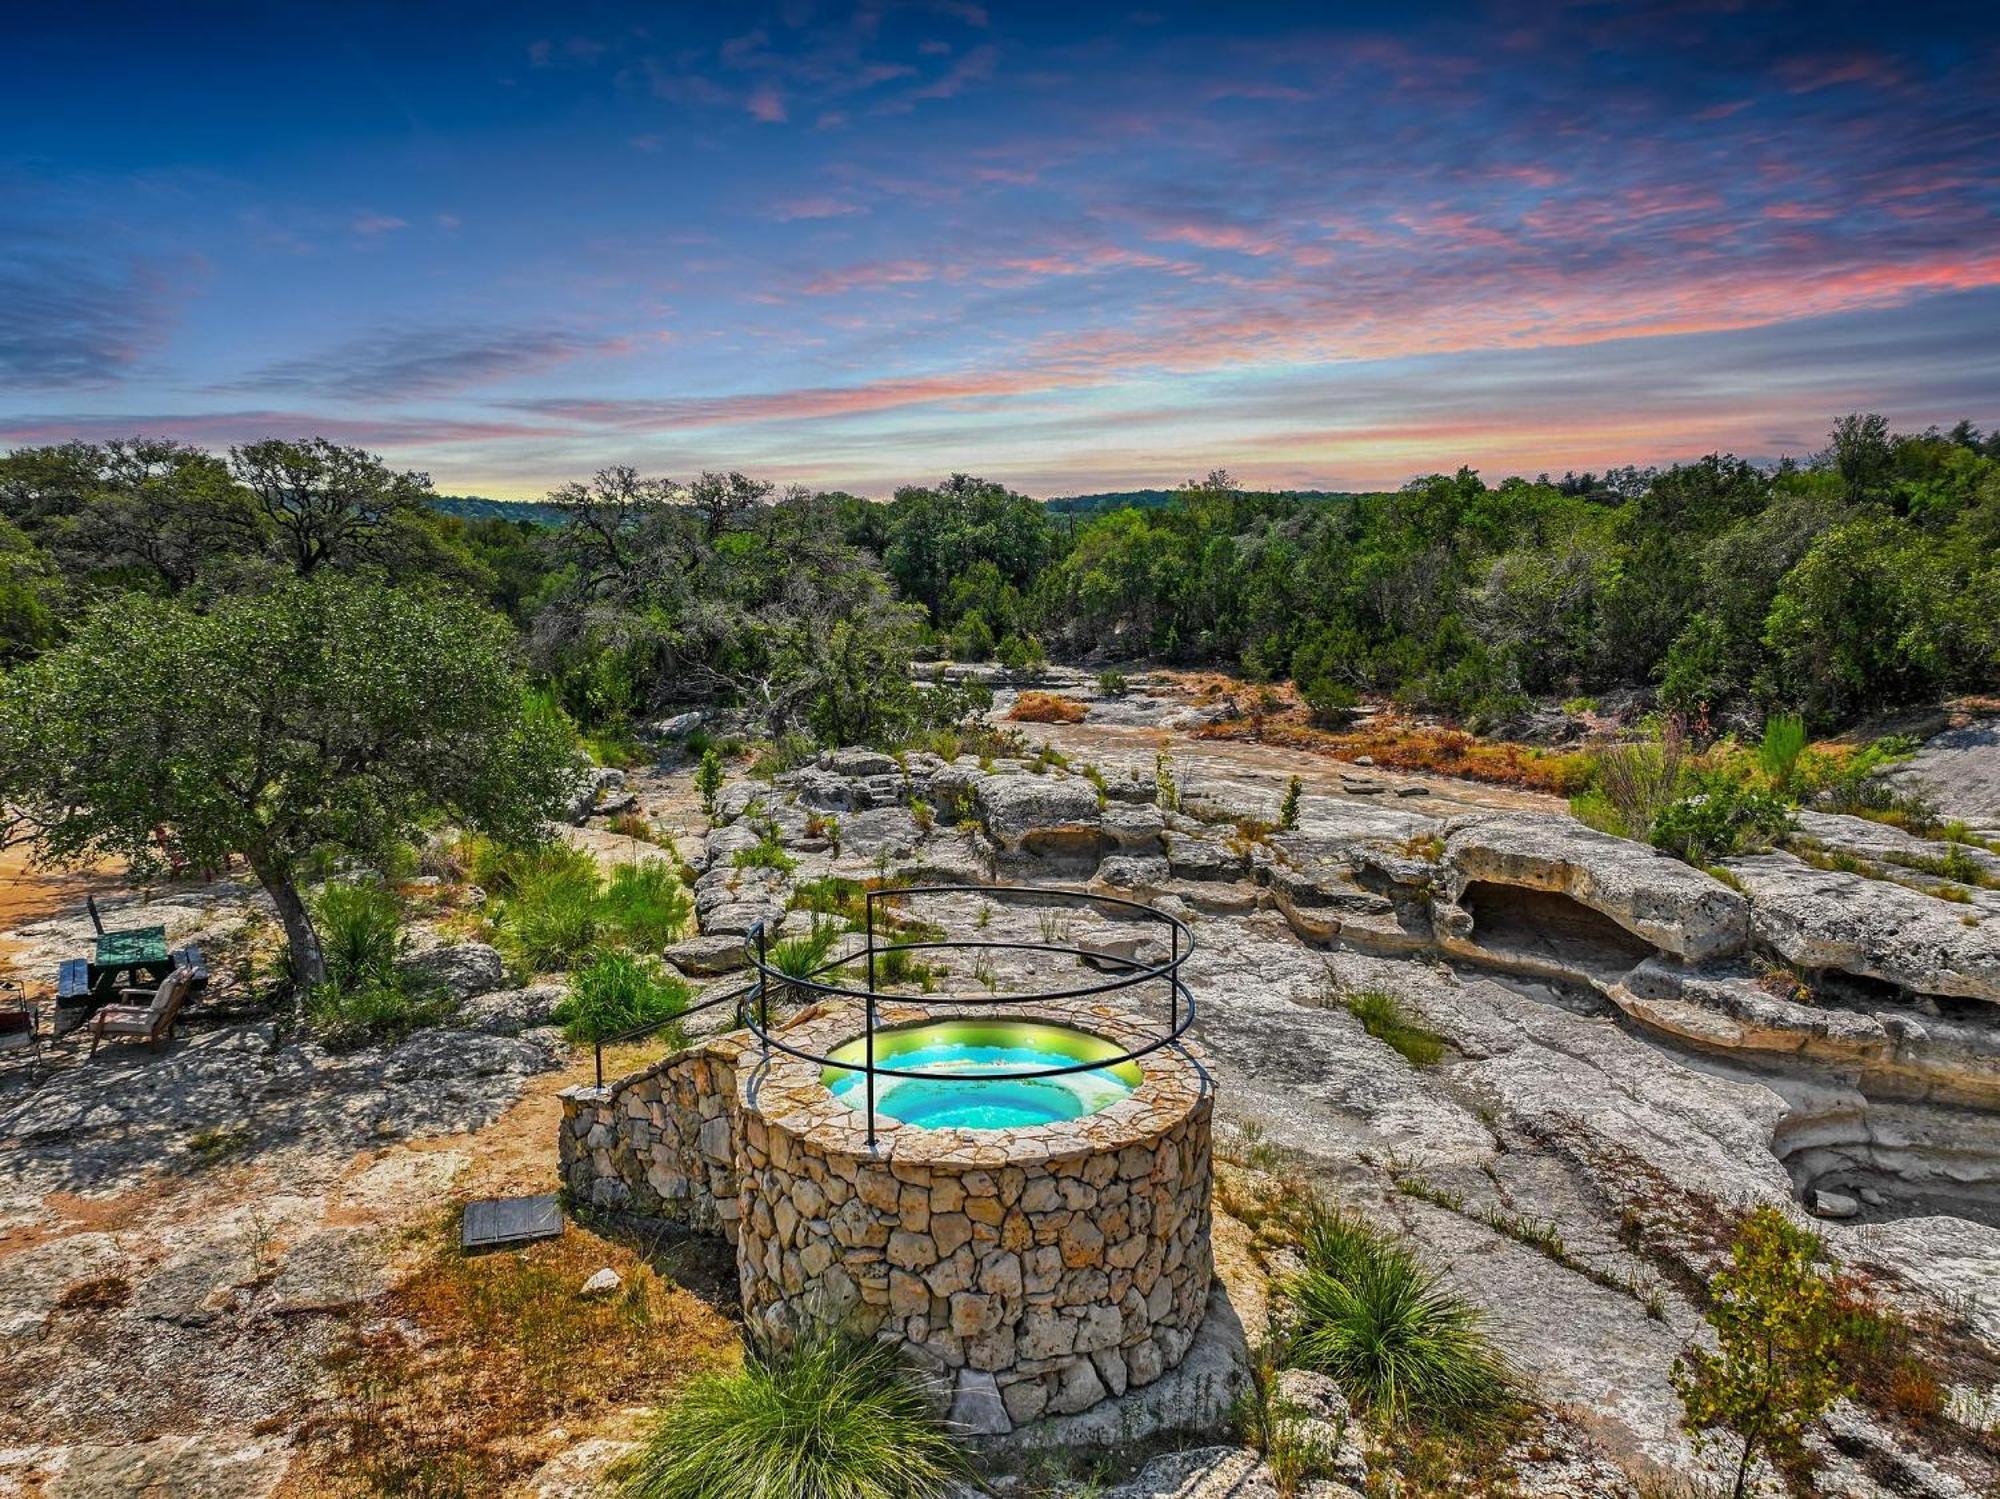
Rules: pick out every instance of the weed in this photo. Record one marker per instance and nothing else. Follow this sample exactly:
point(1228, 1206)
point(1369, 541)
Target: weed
point(766, 853)
point(616, 992)
point(646, 904)
point(1382, 1015)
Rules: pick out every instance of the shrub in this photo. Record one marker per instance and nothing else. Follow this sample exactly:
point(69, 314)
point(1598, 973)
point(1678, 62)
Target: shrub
point(1046, 707)
point(1722, 819)
point(1288, 813)
point(1381, 1015)
point(616, 992)
point(360, 931)
point(1112, 683)
point(552, 917)
point(708, 778)
point(767, 853)
point(1636, 781)
point(830, 1418)
point(1365, 1311)
point(1777, 1364)
point(646, 904)
point(797, 957)
point(1778, 753)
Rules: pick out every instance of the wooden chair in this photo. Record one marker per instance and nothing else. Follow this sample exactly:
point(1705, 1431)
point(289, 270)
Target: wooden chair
point(152, 1022)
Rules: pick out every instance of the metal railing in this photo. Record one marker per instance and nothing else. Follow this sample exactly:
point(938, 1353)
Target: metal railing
point(753, 999)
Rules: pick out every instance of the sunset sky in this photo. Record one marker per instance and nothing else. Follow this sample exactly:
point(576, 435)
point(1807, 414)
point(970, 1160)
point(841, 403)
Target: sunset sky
point(1071, 248)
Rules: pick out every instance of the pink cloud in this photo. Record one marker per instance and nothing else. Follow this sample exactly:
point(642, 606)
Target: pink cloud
point(766, 105)
point(814, 206)
point(377, 223)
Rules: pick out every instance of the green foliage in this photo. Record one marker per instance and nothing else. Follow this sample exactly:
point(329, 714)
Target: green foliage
point(646, 904)
point(1725, 817)
point(360, 933)
point(552, 915)
point(1113, 683)
point(1778, 752)
point(766, 853)
point(797, 957)
point(616, 992)
point(1288, 811)
point(1777, 1365)
point(326, 713)
point(828, 1418)
point(708, 778)
point(374, 1013)
point(1382, 1015)
point(1367, 1312)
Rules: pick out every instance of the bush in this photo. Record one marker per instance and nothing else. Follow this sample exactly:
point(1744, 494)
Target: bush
point(1288, 813)
point(1723, 819)
point(830, 1418)
point(646, 903)
point(360, 931)
point(552, 918)
point(1112, 683)
point(767, 853)
point(708, 778)
point(617, 992)
point(1778, 753)
point(1636, 781)
point(1779, 1330)
point(1046, 707)
point(1366, 1312)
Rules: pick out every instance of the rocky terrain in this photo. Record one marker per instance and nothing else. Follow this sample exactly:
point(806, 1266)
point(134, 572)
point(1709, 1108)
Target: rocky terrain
point(1632, 1047)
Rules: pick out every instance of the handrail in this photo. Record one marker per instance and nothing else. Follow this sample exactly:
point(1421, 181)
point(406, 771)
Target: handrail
point(1131, 973)
point(1181, 1016)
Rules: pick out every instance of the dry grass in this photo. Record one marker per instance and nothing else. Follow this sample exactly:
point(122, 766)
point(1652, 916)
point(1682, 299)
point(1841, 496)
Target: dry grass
point(475, 1371)
point(1046, 707)
point(1420, 749)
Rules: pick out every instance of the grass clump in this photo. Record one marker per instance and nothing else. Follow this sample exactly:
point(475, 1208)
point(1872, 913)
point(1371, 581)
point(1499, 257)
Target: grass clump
point(766, 853)
point(1367, 1312)
point(367, 997)
point(1382, 1015)
point(646, 903)
point(829, 1418)
point(616, 992)
point(550, 916)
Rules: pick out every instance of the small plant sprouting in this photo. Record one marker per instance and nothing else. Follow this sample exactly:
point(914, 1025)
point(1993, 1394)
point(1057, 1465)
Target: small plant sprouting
point(1168, 791)
point(1288, 812)
point(708, 778)
point(1055, 924)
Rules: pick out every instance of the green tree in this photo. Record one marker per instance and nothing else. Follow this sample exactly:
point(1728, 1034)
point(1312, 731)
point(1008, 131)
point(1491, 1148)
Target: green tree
point(1776, 1368)
point(328, 504)
point(329, 714)
point(708, 778)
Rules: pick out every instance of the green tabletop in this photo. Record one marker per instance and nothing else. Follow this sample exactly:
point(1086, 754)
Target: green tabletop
point(132, 946)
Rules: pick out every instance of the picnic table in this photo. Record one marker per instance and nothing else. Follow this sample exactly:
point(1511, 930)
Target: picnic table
point(128, 955)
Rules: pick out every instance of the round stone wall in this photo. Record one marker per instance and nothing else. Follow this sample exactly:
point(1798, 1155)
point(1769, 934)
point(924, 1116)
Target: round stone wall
point(1039, 1270)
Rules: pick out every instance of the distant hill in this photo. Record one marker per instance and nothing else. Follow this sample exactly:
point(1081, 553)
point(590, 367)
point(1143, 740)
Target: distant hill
point(1154, 499)
point(475, 507)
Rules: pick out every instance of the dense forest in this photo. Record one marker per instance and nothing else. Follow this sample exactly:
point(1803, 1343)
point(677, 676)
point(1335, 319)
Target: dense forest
point(1865, 578)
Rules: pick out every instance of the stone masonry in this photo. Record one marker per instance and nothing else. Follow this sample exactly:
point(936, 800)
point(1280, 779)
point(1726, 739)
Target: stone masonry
point(1037, 1271)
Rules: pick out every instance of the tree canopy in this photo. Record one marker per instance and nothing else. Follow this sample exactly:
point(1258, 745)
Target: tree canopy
point(323, 715)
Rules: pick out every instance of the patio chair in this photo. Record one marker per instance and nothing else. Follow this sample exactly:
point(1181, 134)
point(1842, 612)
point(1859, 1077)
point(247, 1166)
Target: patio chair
point(151, 1022)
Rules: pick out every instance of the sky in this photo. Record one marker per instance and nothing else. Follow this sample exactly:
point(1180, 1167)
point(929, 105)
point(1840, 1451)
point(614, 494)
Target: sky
point(1070, 248)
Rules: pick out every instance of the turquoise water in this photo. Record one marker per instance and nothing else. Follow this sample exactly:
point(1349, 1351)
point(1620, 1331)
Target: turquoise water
point(997, 1101)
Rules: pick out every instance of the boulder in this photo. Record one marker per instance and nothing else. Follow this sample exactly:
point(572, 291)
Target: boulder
point(465, 969)
point(594, 786)
point(1672, 905)
point(1201, 1473)
point(860, 762)
point(1041, 814)
point(1826, 918)
point(708, 955)
point(1193, 857)
point(508, 1012)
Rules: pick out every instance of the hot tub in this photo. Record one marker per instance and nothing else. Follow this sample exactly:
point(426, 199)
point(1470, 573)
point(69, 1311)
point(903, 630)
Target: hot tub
point(999, 1052)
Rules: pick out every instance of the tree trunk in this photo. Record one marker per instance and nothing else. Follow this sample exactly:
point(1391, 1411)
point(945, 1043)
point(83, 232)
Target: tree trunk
point(308, 962)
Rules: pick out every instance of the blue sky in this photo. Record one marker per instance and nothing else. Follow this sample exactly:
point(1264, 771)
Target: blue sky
point(1068, 247)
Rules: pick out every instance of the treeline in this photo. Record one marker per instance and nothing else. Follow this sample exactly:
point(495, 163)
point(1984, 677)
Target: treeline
point(1864, 578)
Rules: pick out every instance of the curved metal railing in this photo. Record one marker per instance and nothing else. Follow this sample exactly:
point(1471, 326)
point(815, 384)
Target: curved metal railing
point(753, 1000)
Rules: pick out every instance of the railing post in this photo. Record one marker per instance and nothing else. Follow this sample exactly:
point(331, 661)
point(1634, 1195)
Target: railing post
point(1174, 981)
point(868, 1006)
point(763, 996)
point(599, 1046)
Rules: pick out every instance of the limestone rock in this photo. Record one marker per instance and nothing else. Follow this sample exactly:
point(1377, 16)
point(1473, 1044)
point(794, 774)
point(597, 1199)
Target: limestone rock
point(1201, 1473)
point(508, 1012)
point(1826, 918)
point(1041, 814)
point(708, 955)
point(464, 969)
point(602, 1283)
point(1670, 904)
